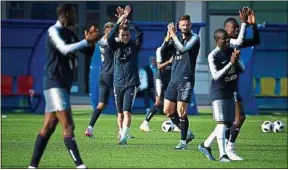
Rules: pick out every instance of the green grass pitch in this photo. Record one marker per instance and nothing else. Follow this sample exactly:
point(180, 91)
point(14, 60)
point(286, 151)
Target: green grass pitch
point(147, 150)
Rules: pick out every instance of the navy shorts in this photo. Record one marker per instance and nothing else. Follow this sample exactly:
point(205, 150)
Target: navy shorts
point(105, 87)
point(179, 91)
point(124, 98)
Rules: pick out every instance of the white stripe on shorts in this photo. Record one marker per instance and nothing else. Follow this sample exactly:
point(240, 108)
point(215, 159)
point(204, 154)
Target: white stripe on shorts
point(158, 86)
point(134, 96)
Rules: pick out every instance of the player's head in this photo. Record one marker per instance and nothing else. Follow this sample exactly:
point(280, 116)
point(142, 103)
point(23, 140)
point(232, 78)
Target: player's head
point(108, 27)
point(221, 38)
point(66, 14)
point(185, 24)
point(152, 61)
point(232, 27)
point(124, 34)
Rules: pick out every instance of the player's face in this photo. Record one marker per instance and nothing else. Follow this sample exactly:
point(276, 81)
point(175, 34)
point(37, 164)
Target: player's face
point(153, 62)
point(124, 36)
point(185, 26)
point(71, 17)
point(232, 29)
point(107, 30)
point(223, 41)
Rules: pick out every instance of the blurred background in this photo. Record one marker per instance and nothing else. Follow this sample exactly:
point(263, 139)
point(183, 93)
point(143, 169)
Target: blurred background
point(269, 59)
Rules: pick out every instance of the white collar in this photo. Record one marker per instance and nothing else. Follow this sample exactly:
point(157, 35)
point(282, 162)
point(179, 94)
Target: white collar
point(58, 24)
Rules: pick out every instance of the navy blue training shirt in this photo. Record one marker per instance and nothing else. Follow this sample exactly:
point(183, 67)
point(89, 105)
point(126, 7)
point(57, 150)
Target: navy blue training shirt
point(125, 58)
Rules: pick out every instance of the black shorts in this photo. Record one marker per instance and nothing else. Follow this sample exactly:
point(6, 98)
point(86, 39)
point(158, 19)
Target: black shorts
point(105, 87)
point(179, 91)
point(124, 98)
point(160, 87)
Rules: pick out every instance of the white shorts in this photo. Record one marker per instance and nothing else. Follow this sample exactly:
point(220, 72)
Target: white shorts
point(57, 99)
point(224, 110)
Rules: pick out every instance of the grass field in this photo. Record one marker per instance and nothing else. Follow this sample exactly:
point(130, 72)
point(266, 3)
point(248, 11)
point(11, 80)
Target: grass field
point(147, 150)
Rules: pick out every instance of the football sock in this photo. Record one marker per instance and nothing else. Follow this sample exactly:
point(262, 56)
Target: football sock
point(234, 133)
point(40, 145)
point(175, 119)
point(208, 142)
point(94, 117)
point(220, 134)
point(184, 124)
point(72, 148)
point(227, 132)
point(124, 132)
point(152, 112)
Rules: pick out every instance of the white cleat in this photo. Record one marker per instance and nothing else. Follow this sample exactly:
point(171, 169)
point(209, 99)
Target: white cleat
point(176, 129)
point(232, 154)
point(145, 126)
point(230, 150)
point(82, 166)
point(31, 167)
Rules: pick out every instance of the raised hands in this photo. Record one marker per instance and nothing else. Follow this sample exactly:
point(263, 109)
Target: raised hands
point(243, 14)
point(92, 35)
point(247, 15)
point(171, 29)
point(235, 56)
point(122, 14)
point(251, 17)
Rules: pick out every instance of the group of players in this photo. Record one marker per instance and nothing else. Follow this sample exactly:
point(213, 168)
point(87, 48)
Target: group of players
point(174, 79)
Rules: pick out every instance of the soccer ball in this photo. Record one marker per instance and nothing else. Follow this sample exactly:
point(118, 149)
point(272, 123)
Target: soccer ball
point(167, 126)
point(266, 126)
point(278, 126)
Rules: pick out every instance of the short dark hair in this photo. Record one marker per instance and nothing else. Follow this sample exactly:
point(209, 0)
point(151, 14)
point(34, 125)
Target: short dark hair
point(228, 20)
point(124, 28)
point(217, 32)
point(62, 9)
point(185, 17)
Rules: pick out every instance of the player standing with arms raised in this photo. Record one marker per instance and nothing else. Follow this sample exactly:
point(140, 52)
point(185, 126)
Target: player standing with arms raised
point(182, 77)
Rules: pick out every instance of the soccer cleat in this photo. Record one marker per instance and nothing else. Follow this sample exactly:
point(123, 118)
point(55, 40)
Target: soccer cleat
point(81, 166)
point(181, 146)
point(230, 150)
point(190, 136)
point(225, 158)
point(176, 129)
point(207, 151)
point(130, 136)
point(31, 167)
point(122, 142)
point(145, 126)
point(89, 133)
point(233, 156)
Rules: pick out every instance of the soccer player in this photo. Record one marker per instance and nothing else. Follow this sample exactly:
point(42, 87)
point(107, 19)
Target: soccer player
point(225, 66)
point(232, 27)
point(182, 80)
point(105, 78)
point(126, 76)
point(161, 80)
point(61, 43)
point(146, 75)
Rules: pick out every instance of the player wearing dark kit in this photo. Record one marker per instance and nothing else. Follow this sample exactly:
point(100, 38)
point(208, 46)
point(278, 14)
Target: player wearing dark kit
point(105, 78)
point(225, 67)
point(232, 27)
point(61, 43)
point(126, 76)
point(182, 80)
point(162, 77)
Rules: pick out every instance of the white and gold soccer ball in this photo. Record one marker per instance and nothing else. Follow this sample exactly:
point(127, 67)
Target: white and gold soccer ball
point(278, 126)
point(167, 126)
point(266, 126)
